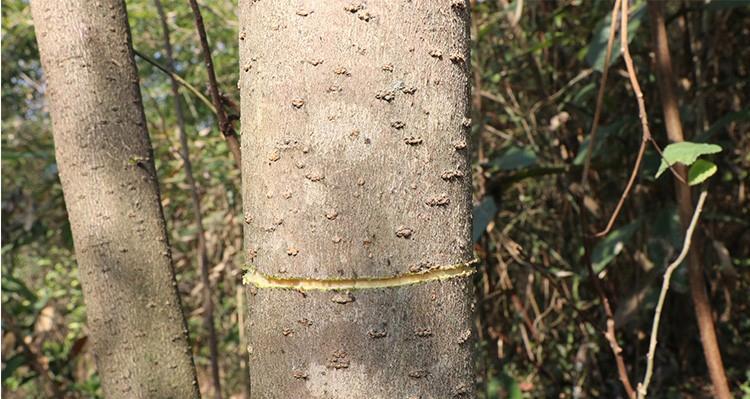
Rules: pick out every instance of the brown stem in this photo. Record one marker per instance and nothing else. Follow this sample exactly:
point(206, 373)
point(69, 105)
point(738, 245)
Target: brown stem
point(643, 386)
point(224, 124)
point(626, 192)
point(611, 333)
point(600, 96)
point(176, 77)
point(703, 311)
point(208, 306)
point(642, 115)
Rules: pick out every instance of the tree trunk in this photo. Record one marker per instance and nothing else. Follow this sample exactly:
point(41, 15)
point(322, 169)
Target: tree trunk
point(107, 172)
point(701, 302)
point(357, 198)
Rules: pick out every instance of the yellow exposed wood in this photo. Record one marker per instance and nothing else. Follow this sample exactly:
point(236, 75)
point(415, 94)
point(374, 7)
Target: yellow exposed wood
point(259, 280)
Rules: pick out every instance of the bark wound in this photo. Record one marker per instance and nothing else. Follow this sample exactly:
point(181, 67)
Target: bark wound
point(380, 207)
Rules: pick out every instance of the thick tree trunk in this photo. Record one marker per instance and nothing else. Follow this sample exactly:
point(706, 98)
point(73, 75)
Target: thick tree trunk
point(356, 175)
point(107, 172)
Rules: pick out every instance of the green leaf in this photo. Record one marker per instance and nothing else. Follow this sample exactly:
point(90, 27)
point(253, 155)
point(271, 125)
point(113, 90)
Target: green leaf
point(598, 47)
point(482, 215)
point(686, 153)
point(700, 171)
point(14, 285)
point(503, 386)
point(582, 95)
point(515, 158)
point(611, 246)
point(12, 364)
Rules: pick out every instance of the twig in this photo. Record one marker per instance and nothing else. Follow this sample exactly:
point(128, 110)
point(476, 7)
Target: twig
point(642, 115)
point(600, 96)
point(226, 127)
point(628, 187)
point(178, 78)
point(643, 386)
point(646, 132)
point(611, 333)
point(208, 305)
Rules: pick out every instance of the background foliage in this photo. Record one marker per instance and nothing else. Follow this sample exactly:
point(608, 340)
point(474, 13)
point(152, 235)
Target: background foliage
point(536, 68)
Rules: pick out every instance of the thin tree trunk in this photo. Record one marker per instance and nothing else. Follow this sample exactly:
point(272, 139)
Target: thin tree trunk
point(203, 267)
point(358, 197)
point(106, 166)
point(701, 303)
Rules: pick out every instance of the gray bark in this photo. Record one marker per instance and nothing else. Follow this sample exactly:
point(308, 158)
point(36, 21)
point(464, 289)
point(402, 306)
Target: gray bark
point(106, 166)
point(355, 120)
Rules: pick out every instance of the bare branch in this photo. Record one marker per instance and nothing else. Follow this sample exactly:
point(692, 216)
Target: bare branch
point(178, 78)
point(643, 386)
point(600, 95)
point(202, 252)
point(226, 127)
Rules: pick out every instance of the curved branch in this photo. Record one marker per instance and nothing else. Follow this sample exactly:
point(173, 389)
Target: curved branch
point(643, 386)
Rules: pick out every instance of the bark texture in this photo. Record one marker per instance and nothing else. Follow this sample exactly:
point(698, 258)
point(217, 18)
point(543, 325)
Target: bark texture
point(355, 119)
point(107, 172)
